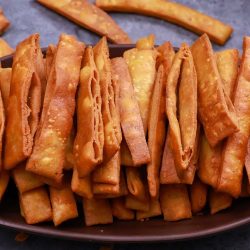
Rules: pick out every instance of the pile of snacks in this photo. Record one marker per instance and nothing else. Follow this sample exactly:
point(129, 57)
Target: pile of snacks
point(137, 136)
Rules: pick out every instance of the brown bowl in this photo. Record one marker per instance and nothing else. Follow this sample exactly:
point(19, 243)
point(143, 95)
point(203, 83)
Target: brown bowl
point(154, 230)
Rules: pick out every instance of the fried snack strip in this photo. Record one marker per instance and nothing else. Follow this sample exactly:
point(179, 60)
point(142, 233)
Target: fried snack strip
point(235, 148)
point(81, 186)
point(24, 180)
point(4, 22)
point(179, 14)
point(47, 158)
point(219, 201)
point(63, 204)
point(35, 206)
point(157, 118)
point(131, 121)
point(110, 112)
point(154, 210)
point(4, 180)
point(198, 195)
point(69, 162)
point(132, 202)
point(227, 63)
point(97, 211)
point(5, 81)
point(247, 160)
point(175, 202)
point(88, 144)
point(120, 211)
point(24, 102)
point(216, 111)
point(90, 17)
point(182, 115)
point(5, 48)
point(50, 53)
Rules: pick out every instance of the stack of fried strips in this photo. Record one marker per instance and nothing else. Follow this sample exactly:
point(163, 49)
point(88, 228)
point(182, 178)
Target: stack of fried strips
point(153, 132)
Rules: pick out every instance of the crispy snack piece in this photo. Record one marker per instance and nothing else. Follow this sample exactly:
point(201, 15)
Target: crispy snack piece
point(47, 158)
point(69, 162)
point(182, 115)
point(63, 204)
point(24, 102)
point(227, 63)
point(24, 180)
point(132, 202)
point(88, 145)
point(90, 17)
point(175, 202)
point(219, 201)
point(198, 195)
point(120, 211)
point(97, 211)
point(154, 210)
point(235, 148)
point(110, 111)
point(81, 186)
point(5, 81)
point(5, 48)
point(4, 180)
point(216, 111)
point(182, 15)
point(131, 121)
point(50, 53)
point(247, 160)
point(4, 22)
point(35, 206)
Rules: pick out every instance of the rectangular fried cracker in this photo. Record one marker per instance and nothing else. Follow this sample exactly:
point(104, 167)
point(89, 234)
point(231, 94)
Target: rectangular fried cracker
point(5, 81)
point(219, 201)
point(120, 211)
point(154, 210)
point(5, 48)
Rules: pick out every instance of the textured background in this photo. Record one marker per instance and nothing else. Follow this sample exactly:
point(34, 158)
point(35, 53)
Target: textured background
point(27, 17)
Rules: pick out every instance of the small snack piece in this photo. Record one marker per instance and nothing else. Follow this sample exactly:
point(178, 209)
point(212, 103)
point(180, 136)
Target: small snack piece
point(216, 111)
point(182, 15)
point(24, 180)
point(235, 148)
point(247, 160)
point(198, 195)
point(4, 22)
point(24, 102)
point(63, 204)
point(4, 180)
point(69, 162)
point(110, 112)
point(227, 63)
point(90, 17)
point(182, 115)
point(35, 206)
point(81, 186)
point(5, 81)
point(157, 129)
point(134, 203)
point(47, 158)
point(175, 202)
point(131, 121)
point(120, 211)
point(5, 48)
point(154, 210)
point(219, 201)
point(50, 53)
point(97, 211)
point(88, 145)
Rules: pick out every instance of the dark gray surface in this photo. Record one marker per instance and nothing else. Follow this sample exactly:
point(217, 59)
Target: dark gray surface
point(28, 17)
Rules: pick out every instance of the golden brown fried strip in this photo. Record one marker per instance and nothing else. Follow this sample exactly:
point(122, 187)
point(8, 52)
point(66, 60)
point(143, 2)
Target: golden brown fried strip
point(198, 195)
point(24, 102)
point(216, 111)
point(88, 145)
point(247, 160)
point(24, 180)
point(4, 180)
point(47, 158)
point(81, 186)
point(35, 206)
point(5, 81)
point(182, 15)
point(182, 115)
point(63, 204)
point(4, 22)
point(50, 53)
point(120, 211)
point(175, 202)
point(97, 211)
point(154, 210)
point(69, 162)
point(235, 148)
point(227, 63)
point(90, 17)
point(131, 121)
point(219, 201)
point(132, 202)
point(5, 48)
